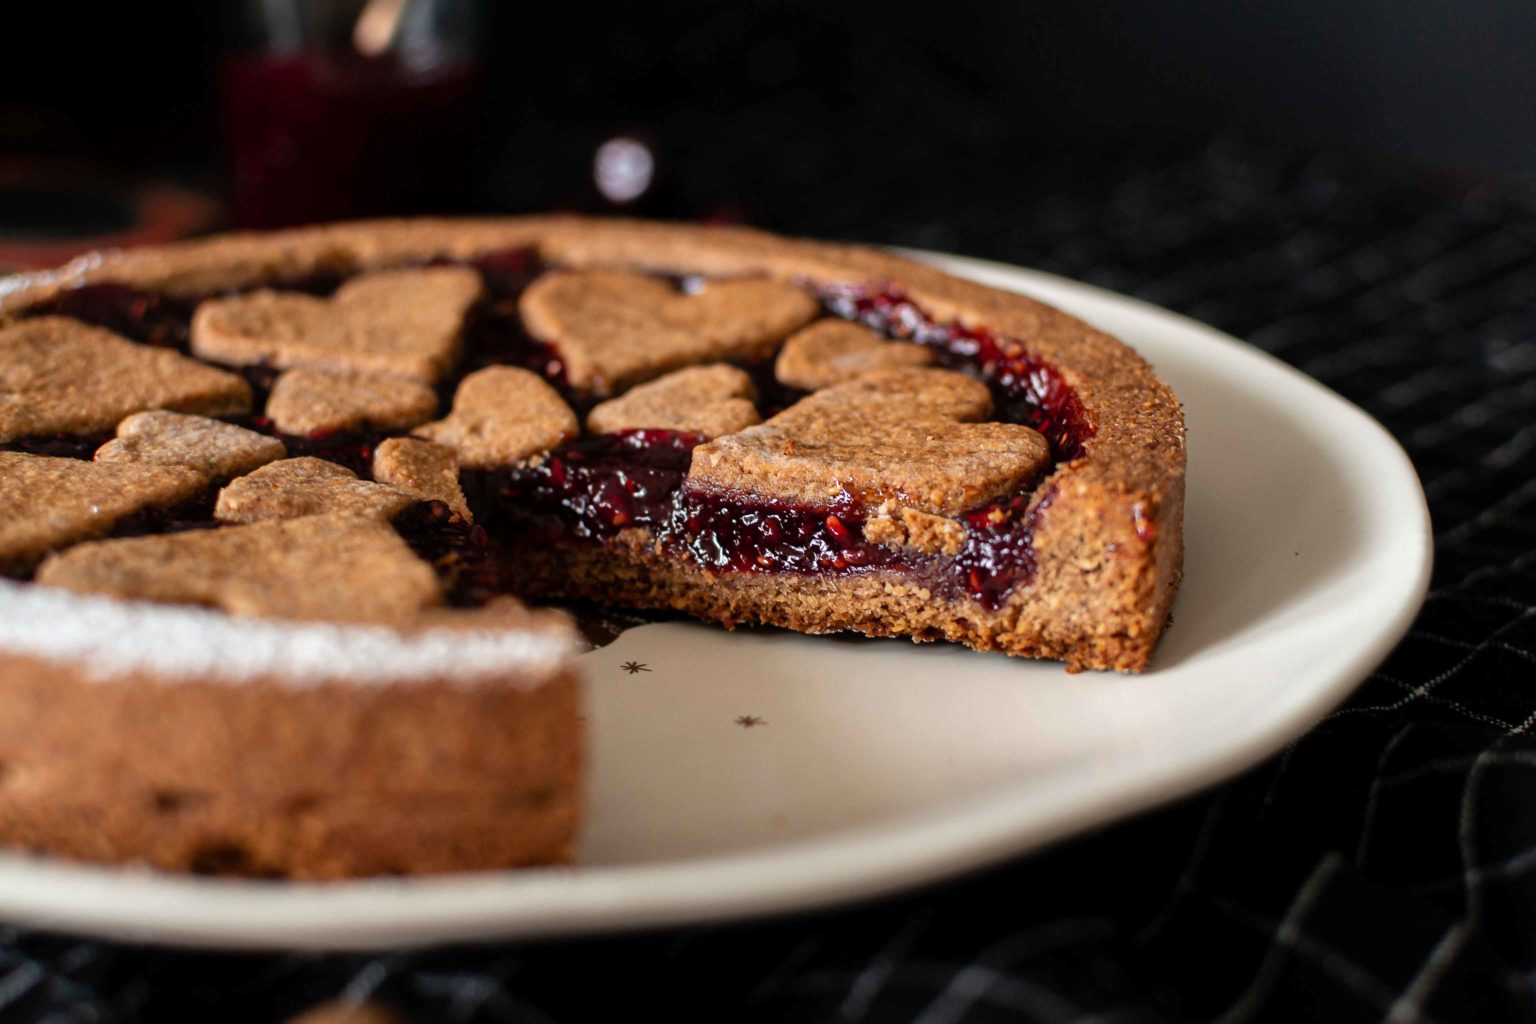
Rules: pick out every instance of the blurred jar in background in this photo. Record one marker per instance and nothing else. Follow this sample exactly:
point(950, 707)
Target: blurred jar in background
point(334, 109)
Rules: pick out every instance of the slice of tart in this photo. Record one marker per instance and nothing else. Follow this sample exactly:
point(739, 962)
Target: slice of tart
point(273, 507)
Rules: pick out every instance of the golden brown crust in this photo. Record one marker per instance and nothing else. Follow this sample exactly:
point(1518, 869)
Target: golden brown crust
point(399, 321)
point(921, 531)
point(426, 471)
point(874, 603)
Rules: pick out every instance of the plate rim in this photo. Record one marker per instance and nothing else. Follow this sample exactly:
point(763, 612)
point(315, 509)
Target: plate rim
point(142, 905)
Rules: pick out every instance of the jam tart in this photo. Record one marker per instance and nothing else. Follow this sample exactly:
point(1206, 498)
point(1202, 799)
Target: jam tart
point(279, 511)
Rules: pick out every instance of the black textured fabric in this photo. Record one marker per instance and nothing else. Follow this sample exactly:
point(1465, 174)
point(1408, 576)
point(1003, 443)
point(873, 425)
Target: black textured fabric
point(1381, 868)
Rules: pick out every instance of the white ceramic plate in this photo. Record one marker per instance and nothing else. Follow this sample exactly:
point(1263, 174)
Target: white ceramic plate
point(748, 773)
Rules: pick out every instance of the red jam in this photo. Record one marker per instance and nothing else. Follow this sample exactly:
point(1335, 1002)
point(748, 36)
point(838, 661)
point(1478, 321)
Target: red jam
point(738, 533)
point(999, 550)
point(595, 487)
point(146, 317)
point(591, 488)
point(460, 553)
point(1025, 389)
point(193, 514)
point(494, 334)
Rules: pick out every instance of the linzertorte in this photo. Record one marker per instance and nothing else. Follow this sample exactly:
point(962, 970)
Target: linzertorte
point(275, 506)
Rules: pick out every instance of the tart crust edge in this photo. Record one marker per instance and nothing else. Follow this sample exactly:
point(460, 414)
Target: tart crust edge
point(262, 779)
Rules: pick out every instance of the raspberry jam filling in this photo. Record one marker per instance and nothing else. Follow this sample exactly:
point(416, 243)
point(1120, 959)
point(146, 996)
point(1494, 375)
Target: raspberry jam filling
point(1025, 388)
point(595, 487)
point(591, 488)
point(999, 549)
point(745, 533)
point(460, 553)
point(494, 334)
point(193, 514)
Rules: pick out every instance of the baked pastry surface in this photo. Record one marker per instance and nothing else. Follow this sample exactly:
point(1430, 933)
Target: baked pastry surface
point(377, 439)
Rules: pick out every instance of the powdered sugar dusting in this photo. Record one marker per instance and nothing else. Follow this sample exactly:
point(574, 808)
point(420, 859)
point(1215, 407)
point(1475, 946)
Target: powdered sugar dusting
point(110, 638)
point(76, 268)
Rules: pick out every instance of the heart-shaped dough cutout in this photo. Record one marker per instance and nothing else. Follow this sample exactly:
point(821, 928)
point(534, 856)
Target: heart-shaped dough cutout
point(908, 437)
point(830, 351)
point(314, 399)
point(60, 376)
point(211, 448)
point(502, 416)
point(614, 328)
point(262, 569)
point(709, 400)
point(306, 486)
point(423, 469)
point(46, 502)
point(407, 322)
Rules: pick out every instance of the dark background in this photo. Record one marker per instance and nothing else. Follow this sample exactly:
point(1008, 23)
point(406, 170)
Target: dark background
point(891, 109)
